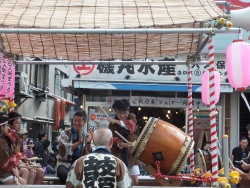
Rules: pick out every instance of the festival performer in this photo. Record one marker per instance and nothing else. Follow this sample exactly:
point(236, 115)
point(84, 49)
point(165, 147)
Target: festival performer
point(100, 168)
point(125, 124)
point(73, 143)
point(35, 175)
point(245, 177)
point(8, 160)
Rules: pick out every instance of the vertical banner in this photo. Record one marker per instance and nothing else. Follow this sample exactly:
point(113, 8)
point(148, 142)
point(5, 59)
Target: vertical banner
point(1, 64)
point(10, 79)
point(4, 77)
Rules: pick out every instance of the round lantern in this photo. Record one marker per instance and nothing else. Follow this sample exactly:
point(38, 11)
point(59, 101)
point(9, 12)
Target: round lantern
point(205, 87)
point(238, 64)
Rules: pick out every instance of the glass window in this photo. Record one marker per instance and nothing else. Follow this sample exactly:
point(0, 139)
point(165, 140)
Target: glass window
point(33, 75)
point(41, 76)
point(25, 68)
point(59, 75)
point(37, 75)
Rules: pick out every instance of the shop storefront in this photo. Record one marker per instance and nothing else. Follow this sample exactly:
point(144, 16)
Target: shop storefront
point(153, 91)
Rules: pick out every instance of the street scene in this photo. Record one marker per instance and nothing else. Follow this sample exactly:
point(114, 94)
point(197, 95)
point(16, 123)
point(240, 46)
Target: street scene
point(129, 93)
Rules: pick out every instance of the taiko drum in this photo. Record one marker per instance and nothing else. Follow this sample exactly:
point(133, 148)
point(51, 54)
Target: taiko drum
point(164, 142)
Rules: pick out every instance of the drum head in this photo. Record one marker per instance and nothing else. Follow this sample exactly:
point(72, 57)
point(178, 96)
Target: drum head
point(142, 140)
point(201, 163)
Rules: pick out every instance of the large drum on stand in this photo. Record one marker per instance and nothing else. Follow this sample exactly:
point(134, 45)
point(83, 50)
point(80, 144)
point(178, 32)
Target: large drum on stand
point(162, 141)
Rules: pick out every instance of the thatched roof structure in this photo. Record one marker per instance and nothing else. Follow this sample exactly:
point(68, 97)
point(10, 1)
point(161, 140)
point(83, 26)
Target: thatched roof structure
point(103, 14)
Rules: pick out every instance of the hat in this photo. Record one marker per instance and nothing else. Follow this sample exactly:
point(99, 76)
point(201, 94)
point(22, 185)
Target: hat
point(57, 134)
point(24, 131)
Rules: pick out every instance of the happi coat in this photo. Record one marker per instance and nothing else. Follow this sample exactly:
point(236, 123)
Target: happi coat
point(98, 169)
point(9, 158)
point(130, 134)
point(65, 141)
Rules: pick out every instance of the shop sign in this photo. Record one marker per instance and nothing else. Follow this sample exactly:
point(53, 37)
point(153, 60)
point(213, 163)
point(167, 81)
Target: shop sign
point(157, 102)
point(159, 73)
point(97, 119)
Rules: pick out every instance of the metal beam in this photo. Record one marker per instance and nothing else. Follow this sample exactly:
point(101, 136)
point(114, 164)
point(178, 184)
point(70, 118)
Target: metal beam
point(200, 48)
point(48, 62)
point(220, 2)
point(2, 49)
point(117, 31)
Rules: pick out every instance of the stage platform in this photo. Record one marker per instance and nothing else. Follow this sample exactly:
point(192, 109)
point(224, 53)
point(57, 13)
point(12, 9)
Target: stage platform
point(63, 186)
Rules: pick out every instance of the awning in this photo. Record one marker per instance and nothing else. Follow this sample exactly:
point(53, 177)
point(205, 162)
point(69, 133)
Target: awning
point(103, 14)
point(143, 86)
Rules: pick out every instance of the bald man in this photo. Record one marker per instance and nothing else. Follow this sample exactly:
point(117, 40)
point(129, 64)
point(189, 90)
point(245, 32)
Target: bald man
point(100, 168)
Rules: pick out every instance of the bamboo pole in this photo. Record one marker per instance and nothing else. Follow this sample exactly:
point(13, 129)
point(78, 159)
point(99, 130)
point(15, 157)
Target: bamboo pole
point(121, 137)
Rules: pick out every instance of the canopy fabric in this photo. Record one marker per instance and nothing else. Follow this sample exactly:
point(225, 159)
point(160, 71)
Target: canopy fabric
point(101, 14)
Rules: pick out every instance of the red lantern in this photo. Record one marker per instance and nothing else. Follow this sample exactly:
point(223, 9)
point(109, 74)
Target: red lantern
point(238, 64)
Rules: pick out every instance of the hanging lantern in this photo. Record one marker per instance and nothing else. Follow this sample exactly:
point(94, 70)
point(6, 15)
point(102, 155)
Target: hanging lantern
point(238, 64)
point(205, 87)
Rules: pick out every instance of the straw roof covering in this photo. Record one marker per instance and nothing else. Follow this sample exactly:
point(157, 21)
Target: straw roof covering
point(94, 14)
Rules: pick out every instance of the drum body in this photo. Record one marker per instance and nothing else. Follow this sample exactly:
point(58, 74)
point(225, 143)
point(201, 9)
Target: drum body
point(204, 160)
point(162, 141)
point(208, 160)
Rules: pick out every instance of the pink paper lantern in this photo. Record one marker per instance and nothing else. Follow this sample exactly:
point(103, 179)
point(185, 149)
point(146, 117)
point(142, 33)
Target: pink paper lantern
point(238, 64)
point(205, 87)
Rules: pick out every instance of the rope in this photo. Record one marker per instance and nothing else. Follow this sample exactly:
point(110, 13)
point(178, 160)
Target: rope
point(190, 177)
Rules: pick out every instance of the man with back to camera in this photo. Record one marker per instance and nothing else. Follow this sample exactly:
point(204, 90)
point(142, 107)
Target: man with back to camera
point(100, 168)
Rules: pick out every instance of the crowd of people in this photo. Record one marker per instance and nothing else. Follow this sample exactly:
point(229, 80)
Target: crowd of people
point(25, 161)
point(97, 158)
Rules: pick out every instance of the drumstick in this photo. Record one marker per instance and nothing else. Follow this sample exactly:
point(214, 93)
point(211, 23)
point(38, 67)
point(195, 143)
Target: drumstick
point(124, 139)
point(35, 159)
point(104, 112)
point(16, 180)
point(231, 163)
point(29, 166)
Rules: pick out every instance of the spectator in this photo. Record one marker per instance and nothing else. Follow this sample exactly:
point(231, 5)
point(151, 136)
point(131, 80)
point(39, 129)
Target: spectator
point(73, 143)
point(24, 136)
point(125, 124)
point(34, 176)
point(30, 151)
point(39, 147)
point(248, 130)
point(207, 146)
point(46, 157)
point(99, 168)
point(55, 144)
point(8, 160)
point(240, 153)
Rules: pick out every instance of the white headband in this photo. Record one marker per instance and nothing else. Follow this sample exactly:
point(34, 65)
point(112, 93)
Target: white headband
point(3, 123)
